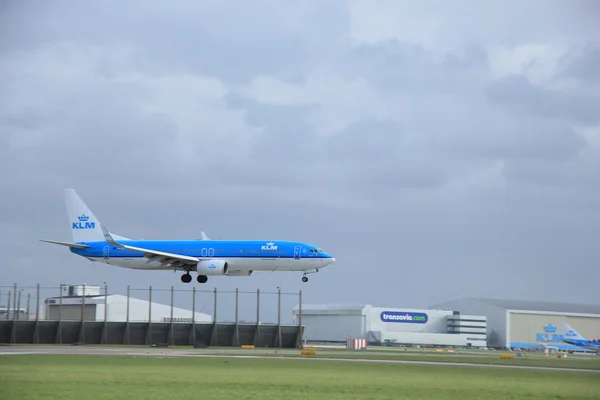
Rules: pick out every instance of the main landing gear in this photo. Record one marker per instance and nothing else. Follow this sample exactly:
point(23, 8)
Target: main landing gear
point(187, 278)
point(305, 278)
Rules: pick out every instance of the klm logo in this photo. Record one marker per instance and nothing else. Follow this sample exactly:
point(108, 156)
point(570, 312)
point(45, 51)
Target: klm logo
point(212, 266)
point(550, 335)
point(83, 223)
point(269, 246)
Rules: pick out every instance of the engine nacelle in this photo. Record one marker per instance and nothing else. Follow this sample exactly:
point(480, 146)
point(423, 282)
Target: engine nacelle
point(212, 267)
point(239, 273)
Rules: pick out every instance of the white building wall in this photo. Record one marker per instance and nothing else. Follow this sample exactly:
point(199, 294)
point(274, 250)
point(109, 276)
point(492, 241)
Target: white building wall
point(409, 326)
point(138, 311)
point(331, 323)
point(497, 329)
point(433, 339)
point(333, 328)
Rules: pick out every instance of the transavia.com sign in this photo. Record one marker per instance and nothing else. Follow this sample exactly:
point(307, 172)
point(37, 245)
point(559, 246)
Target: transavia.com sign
point(405, 317)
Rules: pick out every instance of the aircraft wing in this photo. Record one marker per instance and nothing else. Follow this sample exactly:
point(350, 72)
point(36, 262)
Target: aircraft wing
point(175, 260)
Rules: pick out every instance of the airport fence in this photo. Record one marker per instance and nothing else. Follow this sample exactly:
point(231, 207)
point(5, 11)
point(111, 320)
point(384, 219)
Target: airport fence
point(200, 317)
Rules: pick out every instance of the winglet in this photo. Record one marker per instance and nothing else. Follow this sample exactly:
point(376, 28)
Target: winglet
point(107, 236)
point(204, 237)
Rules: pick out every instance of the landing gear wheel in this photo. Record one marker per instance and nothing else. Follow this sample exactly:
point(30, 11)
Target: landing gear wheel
point(304, 279)
point(202, 278)
point(186, 278)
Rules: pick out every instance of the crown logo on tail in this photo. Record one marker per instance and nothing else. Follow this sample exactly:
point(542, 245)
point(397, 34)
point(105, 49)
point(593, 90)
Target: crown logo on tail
point(83, 218)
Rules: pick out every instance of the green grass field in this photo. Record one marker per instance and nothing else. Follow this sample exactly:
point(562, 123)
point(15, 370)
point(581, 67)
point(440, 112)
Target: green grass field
point(106, 377)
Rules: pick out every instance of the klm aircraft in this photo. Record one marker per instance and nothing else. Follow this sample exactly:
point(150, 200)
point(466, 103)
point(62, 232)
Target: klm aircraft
point(204, 256)
point(572, 337)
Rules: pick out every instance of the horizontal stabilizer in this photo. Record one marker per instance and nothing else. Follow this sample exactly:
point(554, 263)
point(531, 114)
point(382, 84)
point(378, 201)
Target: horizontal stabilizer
point(73, 245)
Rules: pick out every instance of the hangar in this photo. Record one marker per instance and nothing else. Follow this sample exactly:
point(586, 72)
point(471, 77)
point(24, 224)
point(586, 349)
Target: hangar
point(117, 308)
point(388, 326)
point(529, 324)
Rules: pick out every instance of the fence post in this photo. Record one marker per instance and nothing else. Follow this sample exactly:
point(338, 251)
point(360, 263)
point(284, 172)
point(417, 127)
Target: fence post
point(213, 338)
point(19, 305)
point(127, 339)
point(14, 316)
point(60, 304)
point(28, 306)
point(300, 318)
point(170, 338)
point(236, 333)
point(279, 318)
point(14, 300)
point(149, 336)
point(8, 309)
point(82, 332)
point(257, 336)
point(105, 313)
point(37, 307)
point(36, 333)
point(194, 316)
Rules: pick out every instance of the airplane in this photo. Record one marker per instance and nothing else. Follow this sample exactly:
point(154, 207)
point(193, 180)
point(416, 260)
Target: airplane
point(572, 337)
point(206, 257)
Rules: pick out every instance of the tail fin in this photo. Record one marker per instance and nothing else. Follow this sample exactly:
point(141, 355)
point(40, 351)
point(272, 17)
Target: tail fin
point(571, 333)
point(85, 227)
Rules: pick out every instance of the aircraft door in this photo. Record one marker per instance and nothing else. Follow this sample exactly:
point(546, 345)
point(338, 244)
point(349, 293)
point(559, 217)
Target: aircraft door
point(297, 252)
point(106, 252)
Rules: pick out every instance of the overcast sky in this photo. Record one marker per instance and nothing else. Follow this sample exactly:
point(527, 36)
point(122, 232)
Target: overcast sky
point(437, 150)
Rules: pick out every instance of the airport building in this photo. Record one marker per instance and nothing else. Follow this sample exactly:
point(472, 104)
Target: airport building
point(75, 303)
point(530, 324)
point(390, 326)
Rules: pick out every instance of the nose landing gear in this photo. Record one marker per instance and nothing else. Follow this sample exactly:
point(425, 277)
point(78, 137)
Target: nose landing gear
point(305, 278)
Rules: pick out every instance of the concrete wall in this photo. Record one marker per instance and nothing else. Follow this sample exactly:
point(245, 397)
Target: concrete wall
point(529, 329)
point(54, 332)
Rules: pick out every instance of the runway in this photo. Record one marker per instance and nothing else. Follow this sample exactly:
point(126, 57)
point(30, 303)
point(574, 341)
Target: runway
point(158, 352)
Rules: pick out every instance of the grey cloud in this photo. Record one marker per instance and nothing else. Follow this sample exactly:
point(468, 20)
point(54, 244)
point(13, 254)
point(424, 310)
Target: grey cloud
point(585, 66)
point(189, 37)
point(400, 159)
point(522, 138)
point(519, 95)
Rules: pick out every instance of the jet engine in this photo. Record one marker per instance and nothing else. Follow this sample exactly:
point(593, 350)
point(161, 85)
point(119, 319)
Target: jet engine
point(212, 267)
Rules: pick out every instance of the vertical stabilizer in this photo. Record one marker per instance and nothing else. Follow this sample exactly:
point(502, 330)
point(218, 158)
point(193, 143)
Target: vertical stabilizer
point(571, 333)
point(84, 225)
